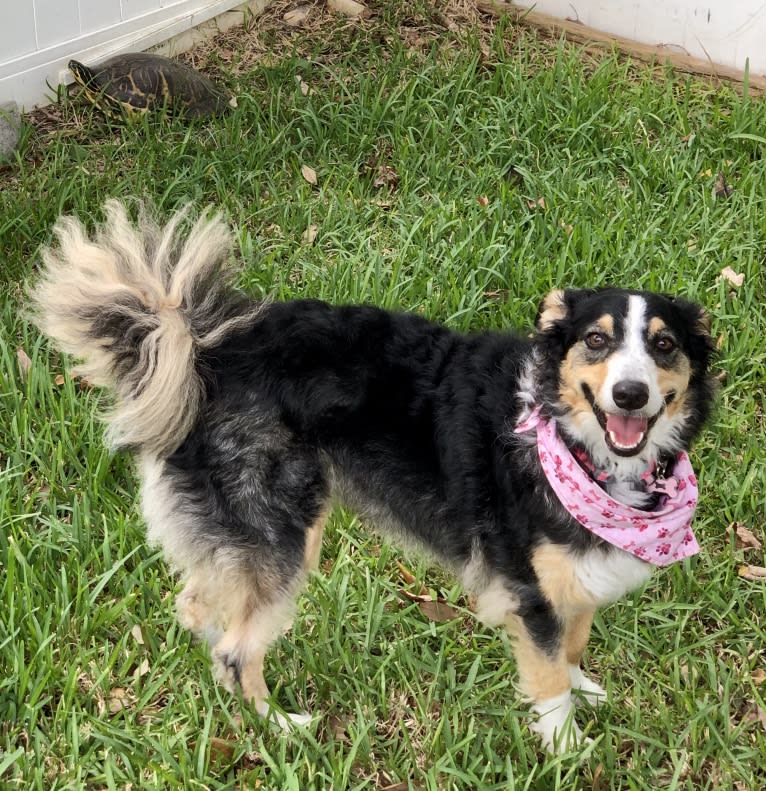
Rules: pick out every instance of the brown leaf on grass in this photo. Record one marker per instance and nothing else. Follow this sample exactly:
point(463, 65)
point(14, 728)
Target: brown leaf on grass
point(309, 174)
point(349, 8)
point(597, 773)
point(755, 714)
point(416, 597)
point(438, 611)
point(483, 201)
point(746, 539)
point(722, 188)
point(338, 726)
point(758, 675)
point(59, 380)
point(297, 16)
point(406, 574)
point(137, 634)
point(308, 236)
point(536, 204)
point(305, 90)
point(119, 699)
point(749, 572)
point(25, 364)
point(386, 176)
point(221, 750)
point(735, 278)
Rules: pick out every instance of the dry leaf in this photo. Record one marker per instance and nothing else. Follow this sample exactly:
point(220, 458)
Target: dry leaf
point(722, 188)
point(349, 8)
point(539, 203)
point(119, 699)
point(728, 274)
point(755, 714)
point(308, 236)
point(59, 380)
point(438, 611)
point(483, 201)
point(406, 574)
point(758, 675)
point(305, 90)
point(221, 749)
point(297, 16)
point(338, 726)
point(385, 176)
point(746, 539)
point(416, 597)
point(24, 362)
point(567, 227)
point(137, 635)
point(142, 669)
point(396, 787)
point(309, 174)
point(752, 572)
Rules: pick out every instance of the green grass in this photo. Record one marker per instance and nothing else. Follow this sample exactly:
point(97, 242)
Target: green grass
point(626, 160)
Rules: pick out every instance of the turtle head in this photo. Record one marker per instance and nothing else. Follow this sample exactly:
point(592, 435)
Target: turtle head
point(83, 74)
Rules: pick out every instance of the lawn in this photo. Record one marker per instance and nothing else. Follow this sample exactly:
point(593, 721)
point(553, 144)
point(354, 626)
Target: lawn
point(464, 166)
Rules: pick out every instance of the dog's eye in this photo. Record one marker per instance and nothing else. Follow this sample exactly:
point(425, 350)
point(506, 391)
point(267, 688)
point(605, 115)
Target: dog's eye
point(595, 340)
point(664, 345)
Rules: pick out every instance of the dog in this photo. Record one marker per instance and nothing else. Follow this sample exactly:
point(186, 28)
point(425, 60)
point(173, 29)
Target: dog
point(548, 472)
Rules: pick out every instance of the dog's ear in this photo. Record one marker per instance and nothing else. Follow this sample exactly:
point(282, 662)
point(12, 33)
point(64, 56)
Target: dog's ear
point(552, 309)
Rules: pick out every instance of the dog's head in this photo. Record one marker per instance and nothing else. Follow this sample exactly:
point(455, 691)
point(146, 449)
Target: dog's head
point(625, 372)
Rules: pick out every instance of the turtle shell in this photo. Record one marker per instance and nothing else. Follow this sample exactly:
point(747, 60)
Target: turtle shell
point(139, 82)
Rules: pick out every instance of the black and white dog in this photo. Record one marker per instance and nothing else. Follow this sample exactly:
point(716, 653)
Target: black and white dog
point(549, 473)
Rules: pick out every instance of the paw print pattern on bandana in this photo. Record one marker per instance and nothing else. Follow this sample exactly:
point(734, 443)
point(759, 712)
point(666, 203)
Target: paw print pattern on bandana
point(660, 537)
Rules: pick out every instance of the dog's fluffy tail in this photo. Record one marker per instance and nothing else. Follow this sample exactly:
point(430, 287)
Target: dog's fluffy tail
point(134, 303)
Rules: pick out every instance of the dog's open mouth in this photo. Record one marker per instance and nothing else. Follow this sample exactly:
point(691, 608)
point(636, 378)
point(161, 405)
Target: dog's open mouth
point(625, 433)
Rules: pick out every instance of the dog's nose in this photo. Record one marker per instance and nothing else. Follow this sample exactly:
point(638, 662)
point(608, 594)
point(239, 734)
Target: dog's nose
point(630, 394)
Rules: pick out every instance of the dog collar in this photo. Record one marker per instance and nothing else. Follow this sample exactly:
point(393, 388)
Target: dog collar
point(660, 536)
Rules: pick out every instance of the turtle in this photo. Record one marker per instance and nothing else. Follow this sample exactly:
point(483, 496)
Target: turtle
point(135, 83)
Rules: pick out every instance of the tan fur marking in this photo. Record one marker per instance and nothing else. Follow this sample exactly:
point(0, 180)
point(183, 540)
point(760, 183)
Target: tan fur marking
point(556, 576)
point(552, 309)
point(541, 677)
point(656, 325)
point(313, 547)
point(675, 380)
point(606, 324)
point(576, 636)
point(574, 371)
point(254, 687)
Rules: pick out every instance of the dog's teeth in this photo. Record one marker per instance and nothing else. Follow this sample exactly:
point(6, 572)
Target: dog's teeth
point(617, 444)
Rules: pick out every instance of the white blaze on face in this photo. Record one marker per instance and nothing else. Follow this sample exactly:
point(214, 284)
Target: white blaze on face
point(631, 362)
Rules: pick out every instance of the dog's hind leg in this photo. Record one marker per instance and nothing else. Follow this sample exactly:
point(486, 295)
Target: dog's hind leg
point(258, 620)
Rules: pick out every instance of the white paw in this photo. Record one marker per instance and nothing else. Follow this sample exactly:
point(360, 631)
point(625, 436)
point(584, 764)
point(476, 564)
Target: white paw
point(556, 724)
point(285, 721)
point(585, 688)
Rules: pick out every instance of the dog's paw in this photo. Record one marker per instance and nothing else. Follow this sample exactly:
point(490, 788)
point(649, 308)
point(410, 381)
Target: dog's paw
point(584, 688)
point(283, 720)
point(556, 725)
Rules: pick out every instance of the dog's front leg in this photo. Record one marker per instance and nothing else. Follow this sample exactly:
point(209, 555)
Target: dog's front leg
point(545, 680)
point(575, 639)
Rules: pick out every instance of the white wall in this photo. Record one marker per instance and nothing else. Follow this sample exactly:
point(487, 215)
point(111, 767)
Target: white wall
point(726, 32)
point(38, 37)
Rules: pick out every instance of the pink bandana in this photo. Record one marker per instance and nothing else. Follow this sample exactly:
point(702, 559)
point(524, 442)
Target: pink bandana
point(660, 537)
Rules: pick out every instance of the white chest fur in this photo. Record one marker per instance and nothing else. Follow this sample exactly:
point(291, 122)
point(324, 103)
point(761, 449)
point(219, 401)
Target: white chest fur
point(609, 575)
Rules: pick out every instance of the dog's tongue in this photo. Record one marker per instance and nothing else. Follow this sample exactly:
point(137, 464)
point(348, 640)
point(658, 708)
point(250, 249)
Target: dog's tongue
point(626, 431)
